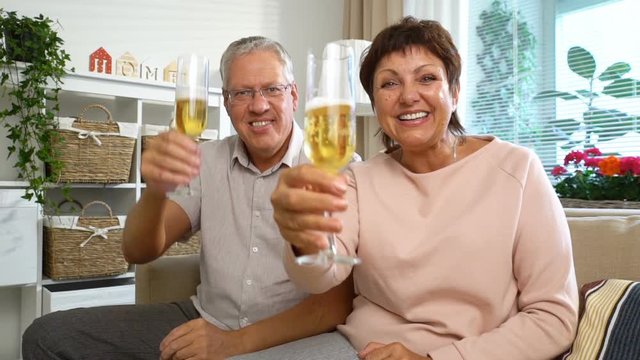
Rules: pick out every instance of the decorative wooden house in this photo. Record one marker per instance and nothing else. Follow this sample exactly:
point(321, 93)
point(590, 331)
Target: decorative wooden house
point(169, 72)
point(100, 61)
point(127, 65)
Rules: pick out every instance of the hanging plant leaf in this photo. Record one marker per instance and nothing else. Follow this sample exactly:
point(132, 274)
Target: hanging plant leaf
point(30, 124)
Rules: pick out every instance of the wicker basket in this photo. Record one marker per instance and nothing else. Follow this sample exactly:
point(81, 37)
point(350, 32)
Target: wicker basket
point(95, 151)
point(191, 246)
point(599, 204)
point(83, 246)
point(149, 132)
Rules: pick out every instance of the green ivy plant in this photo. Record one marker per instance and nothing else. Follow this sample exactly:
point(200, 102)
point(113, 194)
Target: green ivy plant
point(32, 64)
point(607, 124)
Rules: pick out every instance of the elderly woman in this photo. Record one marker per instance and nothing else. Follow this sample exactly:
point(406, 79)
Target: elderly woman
point(465, 248)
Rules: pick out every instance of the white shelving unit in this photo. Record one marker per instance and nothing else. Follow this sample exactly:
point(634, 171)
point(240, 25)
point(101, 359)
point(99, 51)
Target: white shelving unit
point(20, 267)
point(129, 100)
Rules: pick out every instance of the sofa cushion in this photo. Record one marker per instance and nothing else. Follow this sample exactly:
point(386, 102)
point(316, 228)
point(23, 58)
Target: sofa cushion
point(606, 247)
point(609, 325)
point(167, 279)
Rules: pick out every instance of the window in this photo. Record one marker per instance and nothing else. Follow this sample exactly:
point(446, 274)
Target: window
point(553, 75)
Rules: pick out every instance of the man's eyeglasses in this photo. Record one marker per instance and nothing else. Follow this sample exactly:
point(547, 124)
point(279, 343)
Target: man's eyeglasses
point(244, 96)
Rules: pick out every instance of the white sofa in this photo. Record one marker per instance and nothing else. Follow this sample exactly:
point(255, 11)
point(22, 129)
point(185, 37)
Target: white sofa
point(606, 244)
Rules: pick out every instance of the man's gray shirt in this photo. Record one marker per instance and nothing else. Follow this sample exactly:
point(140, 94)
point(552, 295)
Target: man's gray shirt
point(242, 276)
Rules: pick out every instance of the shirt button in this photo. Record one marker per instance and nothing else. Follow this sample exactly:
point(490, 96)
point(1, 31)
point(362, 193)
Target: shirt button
point(249, 282)
point(254, 249)
point(256, 213)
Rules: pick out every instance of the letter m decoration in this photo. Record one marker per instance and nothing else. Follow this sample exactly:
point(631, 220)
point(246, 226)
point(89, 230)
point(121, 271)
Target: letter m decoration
point(100, 61)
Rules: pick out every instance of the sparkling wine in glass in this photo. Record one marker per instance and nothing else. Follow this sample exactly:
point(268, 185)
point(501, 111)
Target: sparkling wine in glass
point(192, 94)
point(330, 125)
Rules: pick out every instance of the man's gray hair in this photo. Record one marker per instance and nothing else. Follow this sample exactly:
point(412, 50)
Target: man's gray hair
point(254, 43)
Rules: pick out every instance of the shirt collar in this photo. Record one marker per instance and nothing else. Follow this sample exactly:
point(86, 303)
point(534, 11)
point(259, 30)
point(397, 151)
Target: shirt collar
point(290, 158)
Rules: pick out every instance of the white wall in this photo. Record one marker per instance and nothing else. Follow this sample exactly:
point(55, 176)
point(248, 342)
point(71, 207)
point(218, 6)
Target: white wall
point(156, 32)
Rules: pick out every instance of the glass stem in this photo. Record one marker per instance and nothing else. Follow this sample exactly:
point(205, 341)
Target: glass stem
point(332, 238)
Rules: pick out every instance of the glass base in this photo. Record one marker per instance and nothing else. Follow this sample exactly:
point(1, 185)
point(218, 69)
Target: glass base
point(325, 257)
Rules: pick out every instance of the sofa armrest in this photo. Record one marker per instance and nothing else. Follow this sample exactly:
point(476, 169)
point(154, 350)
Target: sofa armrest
point(605, 247)
point(167, 279)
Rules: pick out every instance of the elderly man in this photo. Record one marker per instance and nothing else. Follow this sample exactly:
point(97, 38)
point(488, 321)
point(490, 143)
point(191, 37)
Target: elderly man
point(245, 301)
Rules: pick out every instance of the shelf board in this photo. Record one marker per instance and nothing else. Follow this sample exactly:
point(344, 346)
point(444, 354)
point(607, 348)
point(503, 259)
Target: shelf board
point(13, 184)
point(23, 184)
point(96, 186)
point(127, 275)
point(120, 86)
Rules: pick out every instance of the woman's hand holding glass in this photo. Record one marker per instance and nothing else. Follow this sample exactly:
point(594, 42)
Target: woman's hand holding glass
point(329, 126)
point(299, 211)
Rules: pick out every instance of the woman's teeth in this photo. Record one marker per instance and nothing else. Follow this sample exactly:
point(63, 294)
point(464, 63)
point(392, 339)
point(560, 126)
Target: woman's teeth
point(413, 116)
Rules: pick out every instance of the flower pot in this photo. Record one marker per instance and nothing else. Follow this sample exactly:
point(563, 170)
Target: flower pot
point(599, 204)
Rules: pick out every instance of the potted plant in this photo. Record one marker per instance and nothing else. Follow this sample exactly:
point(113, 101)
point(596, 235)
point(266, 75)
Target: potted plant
point(607, 124)
point(590, 179)
point(32, 64)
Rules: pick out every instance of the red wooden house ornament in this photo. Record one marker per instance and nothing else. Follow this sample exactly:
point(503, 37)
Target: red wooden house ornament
point(100, 61)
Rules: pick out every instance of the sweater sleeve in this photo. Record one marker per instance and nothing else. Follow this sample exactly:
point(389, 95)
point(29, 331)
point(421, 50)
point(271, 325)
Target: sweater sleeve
point(547, 316)
point(316, 279)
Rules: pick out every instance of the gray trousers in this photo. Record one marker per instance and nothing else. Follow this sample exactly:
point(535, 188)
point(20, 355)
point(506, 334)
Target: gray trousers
point(135, 332)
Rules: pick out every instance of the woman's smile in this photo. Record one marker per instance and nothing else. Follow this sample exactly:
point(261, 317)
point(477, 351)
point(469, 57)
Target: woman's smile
point(413, 116)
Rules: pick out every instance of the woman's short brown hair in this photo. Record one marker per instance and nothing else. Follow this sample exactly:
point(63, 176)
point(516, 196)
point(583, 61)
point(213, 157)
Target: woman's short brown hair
point(427, 34)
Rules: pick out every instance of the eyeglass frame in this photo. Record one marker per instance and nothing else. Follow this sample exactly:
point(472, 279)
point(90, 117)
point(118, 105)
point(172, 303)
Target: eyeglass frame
point(230, 93)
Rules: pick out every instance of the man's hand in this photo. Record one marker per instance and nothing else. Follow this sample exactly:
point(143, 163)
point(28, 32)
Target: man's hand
point(303, 194)
point(170, 160)
point(196, 340)
point(376, 351)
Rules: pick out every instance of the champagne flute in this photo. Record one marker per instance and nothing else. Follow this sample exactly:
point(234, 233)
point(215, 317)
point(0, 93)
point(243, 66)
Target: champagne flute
point(192, 94)
point(330, 126)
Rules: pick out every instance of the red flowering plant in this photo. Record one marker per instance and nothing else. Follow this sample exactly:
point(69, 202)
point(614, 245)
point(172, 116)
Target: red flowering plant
point(589, 175)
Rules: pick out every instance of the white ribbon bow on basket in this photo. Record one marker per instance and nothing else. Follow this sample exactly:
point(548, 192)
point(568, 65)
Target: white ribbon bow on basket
point(94, 230)
point(83, 134)
point(101, 232)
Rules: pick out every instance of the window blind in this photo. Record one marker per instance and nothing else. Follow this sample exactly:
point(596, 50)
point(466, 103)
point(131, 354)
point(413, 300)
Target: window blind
point(553, 76)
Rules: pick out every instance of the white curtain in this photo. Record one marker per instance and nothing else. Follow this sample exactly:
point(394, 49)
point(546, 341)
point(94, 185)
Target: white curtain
point(363, 19)
point(454, 16)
